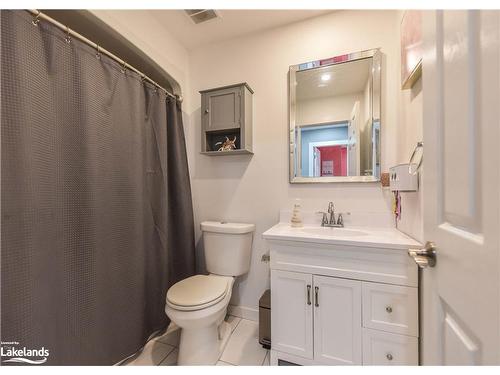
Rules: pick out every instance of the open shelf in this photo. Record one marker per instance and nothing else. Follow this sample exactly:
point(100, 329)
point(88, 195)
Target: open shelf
point(232, 152)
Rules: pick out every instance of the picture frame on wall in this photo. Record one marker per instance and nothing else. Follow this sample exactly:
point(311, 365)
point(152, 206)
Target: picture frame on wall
point(411, 48)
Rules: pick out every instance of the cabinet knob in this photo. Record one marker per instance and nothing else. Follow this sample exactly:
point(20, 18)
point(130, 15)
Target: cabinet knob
point(207, 111)
point(388, 309)
point(389, 356)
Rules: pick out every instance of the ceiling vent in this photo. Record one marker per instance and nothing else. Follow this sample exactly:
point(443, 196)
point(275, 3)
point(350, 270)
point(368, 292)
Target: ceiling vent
point(201, 15)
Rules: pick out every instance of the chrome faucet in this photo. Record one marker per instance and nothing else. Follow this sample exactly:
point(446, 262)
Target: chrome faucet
point(328, 219)
point(331, 212)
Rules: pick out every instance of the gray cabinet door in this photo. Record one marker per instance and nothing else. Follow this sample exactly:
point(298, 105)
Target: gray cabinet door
point(221, 109)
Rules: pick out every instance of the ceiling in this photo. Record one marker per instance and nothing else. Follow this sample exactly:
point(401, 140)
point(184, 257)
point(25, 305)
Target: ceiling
point(232, 23)
point(346, 78)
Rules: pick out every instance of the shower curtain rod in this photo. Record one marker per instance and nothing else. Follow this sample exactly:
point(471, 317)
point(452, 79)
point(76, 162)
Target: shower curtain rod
point(39, 15)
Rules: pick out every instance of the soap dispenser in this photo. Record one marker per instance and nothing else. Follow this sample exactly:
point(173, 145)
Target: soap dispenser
point(296, 221)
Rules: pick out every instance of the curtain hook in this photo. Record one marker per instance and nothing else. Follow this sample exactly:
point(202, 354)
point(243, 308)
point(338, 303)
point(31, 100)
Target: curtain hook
point(36, 20)
point(124, 67)
point(98, 53)
point(68, 37)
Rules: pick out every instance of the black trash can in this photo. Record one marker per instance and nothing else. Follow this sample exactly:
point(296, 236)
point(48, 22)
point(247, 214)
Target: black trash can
point(265, 319)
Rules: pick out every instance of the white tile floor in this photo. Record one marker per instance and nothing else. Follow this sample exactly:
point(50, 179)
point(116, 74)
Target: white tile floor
point(242, 349)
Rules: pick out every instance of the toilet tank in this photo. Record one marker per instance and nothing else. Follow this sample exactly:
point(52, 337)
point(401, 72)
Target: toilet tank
point(228, 247)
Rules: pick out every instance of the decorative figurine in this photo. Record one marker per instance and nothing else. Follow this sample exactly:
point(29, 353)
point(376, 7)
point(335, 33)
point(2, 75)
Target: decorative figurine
point(227, 145)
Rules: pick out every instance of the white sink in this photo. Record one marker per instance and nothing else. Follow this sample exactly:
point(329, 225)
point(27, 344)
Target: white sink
point(334, 232)
point(381, 237)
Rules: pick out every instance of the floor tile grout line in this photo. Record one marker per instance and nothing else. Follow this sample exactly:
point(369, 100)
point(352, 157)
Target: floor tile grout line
point(173, 347)
point(237, 324)
point(232, 332)
point(229, 338)
point(163, 343)
point(264, 360)
point(227, 363)
point(168, 353)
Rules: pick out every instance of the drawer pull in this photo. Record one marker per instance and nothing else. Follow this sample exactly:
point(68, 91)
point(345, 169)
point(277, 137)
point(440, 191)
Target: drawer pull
point(316, 299)
point(389, 356)
point(308, 294)
point(388, 309)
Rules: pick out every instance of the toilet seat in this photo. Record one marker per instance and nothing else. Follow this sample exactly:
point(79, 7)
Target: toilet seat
point(197, 292)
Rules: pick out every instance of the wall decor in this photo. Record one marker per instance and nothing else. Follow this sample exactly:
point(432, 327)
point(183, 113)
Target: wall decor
point(411, 48)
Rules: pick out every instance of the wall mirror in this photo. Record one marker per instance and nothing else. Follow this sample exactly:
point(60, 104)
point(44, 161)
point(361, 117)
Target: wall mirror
point(334, 113)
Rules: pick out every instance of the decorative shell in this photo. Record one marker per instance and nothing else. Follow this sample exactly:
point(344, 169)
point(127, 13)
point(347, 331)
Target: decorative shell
point(227, 145)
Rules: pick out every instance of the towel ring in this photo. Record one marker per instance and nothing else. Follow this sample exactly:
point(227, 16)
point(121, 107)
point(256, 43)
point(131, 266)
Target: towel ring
point(420, 145)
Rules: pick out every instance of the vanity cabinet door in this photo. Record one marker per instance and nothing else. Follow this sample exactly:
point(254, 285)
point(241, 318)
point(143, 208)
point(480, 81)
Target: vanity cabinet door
point(291, 313)
point(337, 321)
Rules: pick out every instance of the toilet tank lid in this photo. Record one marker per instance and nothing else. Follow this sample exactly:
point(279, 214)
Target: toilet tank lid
point(223, 227)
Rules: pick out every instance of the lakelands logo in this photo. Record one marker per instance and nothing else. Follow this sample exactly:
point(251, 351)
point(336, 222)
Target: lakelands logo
point(15, 354)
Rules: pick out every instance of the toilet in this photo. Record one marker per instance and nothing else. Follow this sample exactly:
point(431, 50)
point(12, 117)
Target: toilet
point(198, 304)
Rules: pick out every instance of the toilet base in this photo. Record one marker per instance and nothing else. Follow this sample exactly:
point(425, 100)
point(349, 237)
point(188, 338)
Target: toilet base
point(203, 346)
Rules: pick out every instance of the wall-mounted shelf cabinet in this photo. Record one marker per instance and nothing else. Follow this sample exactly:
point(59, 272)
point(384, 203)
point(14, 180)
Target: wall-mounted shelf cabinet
point(226, 114)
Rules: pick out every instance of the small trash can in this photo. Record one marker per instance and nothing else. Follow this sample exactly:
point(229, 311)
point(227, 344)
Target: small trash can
point(265, 319)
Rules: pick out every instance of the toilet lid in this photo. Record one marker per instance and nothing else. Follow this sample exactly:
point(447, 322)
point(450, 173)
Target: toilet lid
point(197, 290)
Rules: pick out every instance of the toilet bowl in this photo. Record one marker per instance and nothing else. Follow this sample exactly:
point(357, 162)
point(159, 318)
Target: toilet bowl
point(198, 304)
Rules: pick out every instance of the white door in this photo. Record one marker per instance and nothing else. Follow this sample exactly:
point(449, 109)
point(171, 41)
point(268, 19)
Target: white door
point(353, 166)
point(337, 321)
point(291, 313)
point(461, 189)
point(317, 162)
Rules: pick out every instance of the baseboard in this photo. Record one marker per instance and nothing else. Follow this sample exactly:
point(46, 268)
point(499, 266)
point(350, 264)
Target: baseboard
point(244, 312)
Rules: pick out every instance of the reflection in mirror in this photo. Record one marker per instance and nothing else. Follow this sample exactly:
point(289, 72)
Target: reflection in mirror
point(334, 127)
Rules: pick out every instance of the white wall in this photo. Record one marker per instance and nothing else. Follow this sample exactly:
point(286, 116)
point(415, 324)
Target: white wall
point(142, 29)
point(327, 109)
point(409, 132)
point(254, 189)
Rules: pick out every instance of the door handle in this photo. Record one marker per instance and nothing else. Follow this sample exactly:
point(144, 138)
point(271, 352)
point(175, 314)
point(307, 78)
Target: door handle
point(316, 293)
point(308, 294)
point(425, 257)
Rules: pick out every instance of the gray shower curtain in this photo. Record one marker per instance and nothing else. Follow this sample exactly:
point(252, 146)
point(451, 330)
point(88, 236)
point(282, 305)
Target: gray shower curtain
point(97, 217)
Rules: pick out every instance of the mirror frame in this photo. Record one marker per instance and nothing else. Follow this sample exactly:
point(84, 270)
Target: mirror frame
point(375, 115)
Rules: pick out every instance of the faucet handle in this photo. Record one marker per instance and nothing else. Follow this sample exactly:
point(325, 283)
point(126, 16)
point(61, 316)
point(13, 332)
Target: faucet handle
point(340, 217)
point(324, 220)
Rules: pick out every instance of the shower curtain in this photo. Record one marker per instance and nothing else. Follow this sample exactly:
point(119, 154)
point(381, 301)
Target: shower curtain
point(97, 218)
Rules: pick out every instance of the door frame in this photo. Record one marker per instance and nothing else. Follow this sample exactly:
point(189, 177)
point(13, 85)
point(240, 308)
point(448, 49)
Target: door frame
point(313, 145)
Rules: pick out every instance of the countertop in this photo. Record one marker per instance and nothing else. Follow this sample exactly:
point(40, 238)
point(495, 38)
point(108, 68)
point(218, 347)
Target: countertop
point(383, 237)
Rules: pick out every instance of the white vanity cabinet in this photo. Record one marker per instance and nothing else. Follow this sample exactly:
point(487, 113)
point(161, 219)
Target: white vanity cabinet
point(336, 304)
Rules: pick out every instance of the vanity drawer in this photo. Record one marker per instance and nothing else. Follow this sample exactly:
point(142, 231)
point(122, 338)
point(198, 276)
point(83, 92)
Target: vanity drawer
point(389, 349)
point(390, 308)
